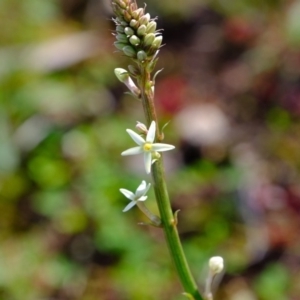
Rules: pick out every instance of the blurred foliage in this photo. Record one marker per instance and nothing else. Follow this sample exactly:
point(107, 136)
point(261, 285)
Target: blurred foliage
point(230, 87)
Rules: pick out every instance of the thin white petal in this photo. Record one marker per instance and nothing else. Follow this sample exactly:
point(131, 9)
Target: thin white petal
point(151, 133)
point(143, 198)
point(140, 191)
point(147, 188)
point(129, 206)
point(162, 147)
point(132, 151)
point(147, 161)
point(128, 194)
point(137, 138)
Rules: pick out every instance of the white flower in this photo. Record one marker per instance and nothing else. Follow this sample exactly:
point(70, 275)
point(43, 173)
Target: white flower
point(139, 195)
point(147, 146)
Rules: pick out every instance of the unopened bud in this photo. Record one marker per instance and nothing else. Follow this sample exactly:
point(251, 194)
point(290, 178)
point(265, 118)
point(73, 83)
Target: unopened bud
point(144, 19)
point(133, 7)
point(121, 74)
point(123, 23)
point(141, 30)
point(129, 51)
point(134, 23)
point(141, 128)
point(122, 38)
point(141, 55)
point(124, 77)
point(127, 16)
point(157, 42)
point(129, 31)
point(120, 29)
point(216, 264)
point(134, 40)
point(151, 27)
point(121, 3)
point(120, 45)
point(137, 13)
point(149, 38)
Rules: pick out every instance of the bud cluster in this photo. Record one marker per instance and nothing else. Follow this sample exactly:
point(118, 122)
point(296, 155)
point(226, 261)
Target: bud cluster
point(136, 32)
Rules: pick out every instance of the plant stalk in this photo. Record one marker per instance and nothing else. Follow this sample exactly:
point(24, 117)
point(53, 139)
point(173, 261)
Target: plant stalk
point(169, 220)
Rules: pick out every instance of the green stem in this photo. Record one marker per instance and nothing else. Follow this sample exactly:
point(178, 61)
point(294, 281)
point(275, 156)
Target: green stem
point(169, 221)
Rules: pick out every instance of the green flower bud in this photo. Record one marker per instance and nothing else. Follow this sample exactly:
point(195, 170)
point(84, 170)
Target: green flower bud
point(120, 29)
point(121, 74)
point(122, 38)
point(128, 31)
point(144, 19)
point(129, 51)
point(134, 23)
point(141, 30)
point(151, 27)
point(123, 23)
point(141, 55)
point(120, 45)
point(134, 70)
point(119, 20)
point(137, 13)
point(149, 38)
point(134, 40)
point(124, 77)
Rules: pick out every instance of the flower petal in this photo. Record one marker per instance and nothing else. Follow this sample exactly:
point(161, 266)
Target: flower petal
point(162, 147)
point(147, 161)
point(143, 198)
point(132, 151)
point(151, 133)
point(137, 138)
point(128, 194)
point(140, 191)
point(129, 206)
point(147, 188)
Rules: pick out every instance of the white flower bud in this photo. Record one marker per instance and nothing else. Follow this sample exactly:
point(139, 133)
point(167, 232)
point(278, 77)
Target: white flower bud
point(216, 264)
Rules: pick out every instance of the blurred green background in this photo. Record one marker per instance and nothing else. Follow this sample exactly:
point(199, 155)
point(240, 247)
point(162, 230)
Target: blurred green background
point(231, 89)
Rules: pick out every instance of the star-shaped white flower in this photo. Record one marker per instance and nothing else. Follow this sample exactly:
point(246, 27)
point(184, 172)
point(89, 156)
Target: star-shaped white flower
point(148, 147)
point(139, 195)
